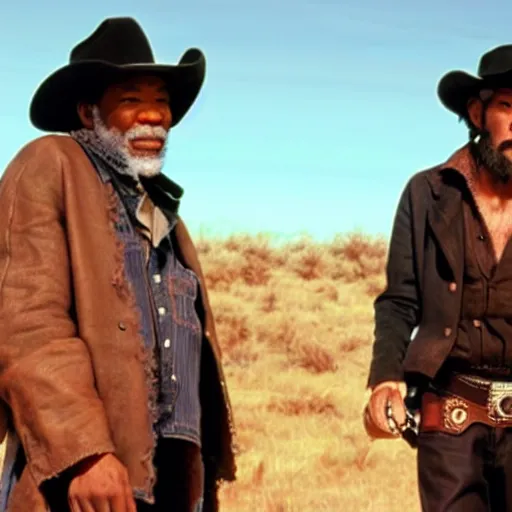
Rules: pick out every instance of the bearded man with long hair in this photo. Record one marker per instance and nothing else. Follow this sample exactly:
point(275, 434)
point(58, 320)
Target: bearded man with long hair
point(441, 370)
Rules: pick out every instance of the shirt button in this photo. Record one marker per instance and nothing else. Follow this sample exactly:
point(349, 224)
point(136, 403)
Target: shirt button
point(167, 343)
point(157, 278)
point(477, 323)
point(453, 287)
point(447, 332)
point(207, 333)
point(122, 326)
point(161, 311)
point(173, 377)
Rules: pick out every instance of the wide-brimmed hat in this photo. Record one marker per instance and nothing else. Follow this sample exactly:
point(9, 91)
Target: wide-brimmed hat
point(494, 71)
point(117, 48)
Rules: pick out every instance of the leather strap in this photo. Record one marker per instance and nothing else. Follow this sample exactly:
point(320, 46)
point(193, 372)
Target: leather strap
point(453, 414)
point(473, 389)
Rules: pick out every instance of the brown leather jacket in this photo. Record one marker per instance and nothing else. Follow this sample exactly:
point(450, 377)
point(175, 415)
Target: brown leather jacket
point(71, 370)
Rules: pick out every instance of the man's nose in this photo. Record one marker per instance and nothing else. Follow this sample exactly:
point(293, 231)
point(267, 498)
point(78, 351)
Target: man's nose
point(150, 116)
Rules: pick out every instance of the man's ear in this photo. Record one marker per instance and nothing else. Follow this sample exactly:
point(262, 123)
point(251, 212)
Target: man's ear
point(84, 111)
point(475, 110)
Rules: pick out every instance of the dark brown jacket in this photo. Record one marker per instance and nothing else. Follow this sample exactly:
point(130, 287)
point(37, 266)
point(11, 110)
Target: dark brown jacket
point(71, 357)
point(424, 276)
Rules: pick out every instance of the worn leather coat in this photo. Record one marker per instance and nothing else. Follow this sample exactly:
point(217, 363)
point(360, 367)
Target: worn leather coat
point(71, 361)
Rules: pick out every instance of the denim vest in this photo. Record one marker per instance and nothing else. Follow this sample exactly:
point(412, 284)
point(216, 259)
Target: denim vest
point(165, 293)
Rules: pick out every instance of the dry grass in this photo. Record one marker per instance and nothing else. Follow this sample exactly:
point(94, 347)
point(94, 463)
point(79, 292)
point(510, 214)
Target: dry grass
point(295, 323)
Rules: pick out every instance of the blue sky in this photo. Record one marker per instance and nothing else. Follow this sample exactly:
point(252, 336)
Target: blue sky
point(313, 115)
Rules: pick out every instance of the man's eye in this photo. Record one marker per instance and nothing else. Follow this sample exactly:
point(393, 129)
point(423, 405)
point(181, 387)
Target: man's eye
point(163, 100)
point(505, 104)
point(129, 99)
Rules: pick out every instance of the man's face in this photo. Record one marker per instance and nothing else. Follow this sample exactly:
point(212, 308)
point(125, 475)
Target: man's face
point(495, 145)
point(133, 118)
point(498, 121)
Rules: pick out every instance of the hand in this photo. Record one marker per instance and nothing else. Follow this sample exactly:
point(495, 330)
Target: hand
point(387, 398)
point(101, 484)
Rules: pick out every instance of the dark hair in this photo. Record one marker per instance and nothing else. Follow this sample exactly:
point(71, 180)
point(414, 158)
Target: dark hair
point(473, 130)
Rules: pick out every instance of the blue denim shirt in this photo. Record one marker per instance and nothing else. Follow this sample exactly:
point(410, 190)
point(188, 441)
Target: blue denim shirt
point(176, 327)
point(165, 293)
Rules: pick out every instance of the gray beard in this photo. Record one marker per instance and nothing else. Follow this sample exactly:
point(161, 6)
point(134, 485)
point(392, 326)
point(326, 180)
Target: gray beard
point(497, 164)
point(113, 147)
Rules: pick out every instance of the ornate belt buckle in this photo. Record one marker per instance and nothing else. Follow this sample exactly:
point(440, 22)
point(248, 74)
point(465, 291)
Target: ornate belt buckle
point(455, 414)
point(500, 401)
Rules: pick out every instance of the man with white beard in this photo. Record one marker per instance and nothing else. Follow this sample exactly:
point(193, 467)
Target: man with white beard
point(110, 370)
point(114, 142)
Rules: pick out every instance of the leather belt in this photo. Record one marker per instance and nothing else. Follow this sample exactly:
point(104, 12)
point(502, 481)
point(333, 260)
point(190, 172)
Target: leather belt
point(464, 400)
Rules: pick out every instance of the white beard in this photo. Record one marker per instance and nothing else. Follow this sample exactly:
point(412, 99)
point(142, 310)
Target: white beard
point(116, 145)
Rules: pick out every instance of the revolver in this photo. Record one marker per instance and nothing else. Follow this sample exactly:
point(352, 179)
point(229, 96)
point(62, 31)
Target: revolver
point(412, 402)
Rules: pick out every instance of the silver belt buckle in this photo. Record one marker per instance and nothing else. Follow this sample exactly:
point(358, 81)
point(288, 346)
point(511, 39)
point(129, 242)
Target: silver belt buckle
point(500, 401)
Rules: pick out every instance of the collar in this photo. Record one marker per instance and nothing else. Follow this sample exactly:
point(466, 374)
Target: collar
point(163, 192)
point(89, 139)
point(462, 163)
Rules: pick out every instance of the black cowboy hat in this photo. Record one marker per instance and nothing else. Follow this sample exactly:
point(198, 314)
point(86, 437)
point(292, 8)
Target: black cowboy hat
point(117, 48)
point(494, 71)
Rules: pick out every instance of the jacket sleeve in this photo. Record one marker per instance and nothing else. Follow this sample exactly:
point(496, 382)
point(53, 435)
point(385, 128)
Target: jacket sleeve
point(397, 307)
point(46, 376)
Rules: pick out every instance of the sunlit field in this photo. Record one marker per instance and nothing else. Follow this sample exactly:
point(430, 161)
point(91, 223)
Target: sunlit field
point(295, 323)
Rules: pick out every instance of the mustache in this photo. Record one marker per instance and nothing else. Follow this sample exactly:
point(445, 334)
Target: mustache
point(506, 144)
point(151, 132)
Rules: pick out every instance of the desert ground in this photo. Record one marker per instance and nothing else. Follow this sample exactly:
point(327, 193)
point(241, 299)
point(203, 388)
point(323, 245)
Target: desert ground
point(295, 323)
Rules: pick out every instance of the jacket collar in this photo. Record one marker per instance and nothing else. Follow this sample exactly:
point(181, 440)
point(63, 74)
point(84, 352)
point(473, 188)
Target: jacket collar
point(445, 214)
point(449, 179)
point(460, 164)
point(163, 192)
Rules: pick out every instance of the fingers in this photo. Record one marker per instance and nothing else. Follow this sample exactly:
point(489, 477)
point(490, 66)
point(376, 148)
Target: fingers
point(397, 407)
point(402, 387)
point(130, 500)
point(74, 505)
point(372, 430)
point(377, 409)
point(99, 505)
point(102, 486)
point(387, 410)
point(81, 505)
point(118, 503)
point(124, 500)
point(392, 423)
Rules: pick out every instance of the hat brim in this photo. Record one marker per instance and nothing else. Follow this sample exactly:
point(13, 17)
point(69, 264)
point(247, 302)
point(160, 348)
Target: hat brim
point(54, 105)
point(456, 88)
